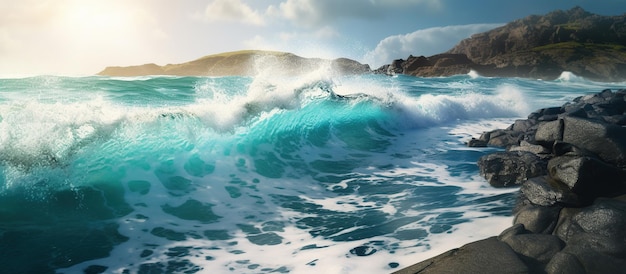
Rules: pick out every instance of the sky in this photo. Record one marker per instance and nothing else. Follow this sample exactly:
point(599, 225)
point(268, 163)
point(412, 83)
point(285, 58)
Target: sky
point(82, 37)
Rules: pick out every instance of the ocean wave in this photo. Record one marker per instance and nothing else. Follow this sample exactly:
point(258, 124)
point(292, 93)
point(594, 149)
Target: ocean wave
point(568, 76)
point(473, 74)
point(228, 173)
point(436, 109)
point(35, 131)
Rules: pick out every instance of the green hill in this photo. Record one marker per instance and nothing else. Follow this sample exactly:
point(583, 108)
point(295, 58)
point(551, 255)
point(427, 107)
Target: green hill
point(242, 63)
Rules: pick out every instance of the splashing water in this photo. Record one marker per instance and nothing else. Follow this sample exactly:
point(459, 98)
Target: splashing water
point(251, 174)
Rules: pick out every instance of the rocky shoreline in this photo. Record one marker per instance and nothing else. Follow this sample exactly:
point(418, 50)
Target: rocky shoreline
point(569, 163)
point(537, 46)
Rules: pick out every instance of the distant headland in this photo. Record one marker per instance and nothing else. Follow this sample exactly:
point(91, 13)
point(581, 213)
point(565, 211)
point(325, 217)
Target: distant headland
point(242, 63)
point(541, 47)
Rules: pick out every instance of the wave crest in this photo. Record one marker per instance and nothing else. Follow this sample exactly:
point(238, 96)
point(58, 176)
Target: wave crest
point(430, 109)
point(568, 76)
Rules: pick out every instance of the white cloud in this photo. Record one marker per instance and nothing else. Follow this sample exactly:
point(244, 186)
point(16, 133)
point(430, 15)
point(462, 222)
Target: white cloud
point(422, 42)
point(233, 11)
point(316, 13)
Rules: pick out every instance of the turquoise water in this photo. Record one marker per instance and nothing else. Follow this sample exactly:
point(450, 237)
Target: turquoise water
point(350, 174)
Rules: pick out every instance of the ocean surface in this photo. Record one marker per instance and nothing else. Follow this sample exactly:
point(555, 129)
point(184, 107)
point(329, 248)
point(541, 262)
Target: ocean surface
point(311, 174)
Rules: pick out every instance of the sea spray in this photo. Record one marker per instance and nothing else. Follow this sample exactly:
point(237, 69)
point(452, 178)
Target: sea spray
point(216, 174)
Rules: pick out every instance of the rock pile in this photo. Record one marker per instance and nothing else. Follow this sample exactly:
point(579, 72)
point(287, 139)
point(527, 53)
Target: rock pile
point(571, 214)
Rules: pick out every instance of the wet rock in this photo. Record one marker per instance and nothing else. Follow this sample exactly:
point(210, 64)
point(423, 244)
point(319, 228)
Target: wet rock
point(485, 256)
point(605, 140)
point(545, 114)
point(535, 249)
point(502, 169)
point(585, 249)
point(572, 217)
point(607, 218)
point(522, 125)
point(586, 176)
point(538, 150)
point(363, 250)
point(601, 263)
point(565, 226)
point(544, 191)
point(504, 138)
point(564, 263)
point(549, 132)
point(477, 143)
point(537, 219)
point(567, 149)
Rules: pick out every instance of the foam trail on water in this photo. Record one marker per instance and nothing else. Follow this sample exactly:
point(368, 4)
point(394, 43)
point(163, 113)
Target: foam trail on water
point(226, 174)
point(432, 109)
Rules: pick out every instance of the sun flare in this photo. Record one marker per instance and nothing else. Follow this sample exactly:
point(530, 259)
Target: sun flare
point(99, 22)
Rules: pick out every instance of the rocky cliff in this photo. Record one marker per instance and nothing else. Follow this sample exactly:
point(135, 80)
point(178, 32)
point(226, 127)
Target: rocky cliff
point(542, 47)
point(242, 63)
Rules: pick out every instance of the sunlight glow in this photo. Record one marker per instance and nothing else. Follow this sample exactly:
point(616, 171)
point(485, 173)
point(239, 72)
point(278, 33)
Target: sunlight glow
point(100, 22)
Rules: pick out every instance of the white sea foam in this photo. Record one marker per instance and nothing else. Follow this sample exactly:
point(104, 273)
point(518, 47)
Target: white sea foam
point(413, 195)
point(429, 109)
point(568, 76)
point(473, 74)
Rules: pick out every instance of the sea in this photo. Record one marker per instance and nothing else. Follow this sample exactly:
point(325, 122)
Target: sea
point(316, 173)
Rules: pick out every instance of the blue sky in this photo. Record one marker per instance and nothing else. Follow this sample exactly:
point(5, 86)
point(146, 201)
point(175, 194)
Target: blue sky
point(81, 37)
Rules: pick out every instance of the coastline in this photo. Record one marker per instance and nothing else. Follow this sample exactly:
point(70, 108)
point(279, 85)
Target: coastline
point(569, 211)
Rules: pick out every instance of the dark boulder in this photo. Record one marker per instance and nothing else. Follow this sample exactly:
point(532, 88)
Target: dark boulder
point(565, 226)
point(485, 256)
point(565, 263)
point(477, 143)
point(502, 169)
point(586, 176)
point(570, 215)
point(505, 138)
point(606, 140)
point(549, 132)
point(537, 219)
point(597, 106)
point(593, 253)
point(544, 191)
point(536, 250)
point(395, 67)
point(596, 262)
point(607, 218)
point(538, 150)
point(545, 114)
point(599, 227)
point(567, 149)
